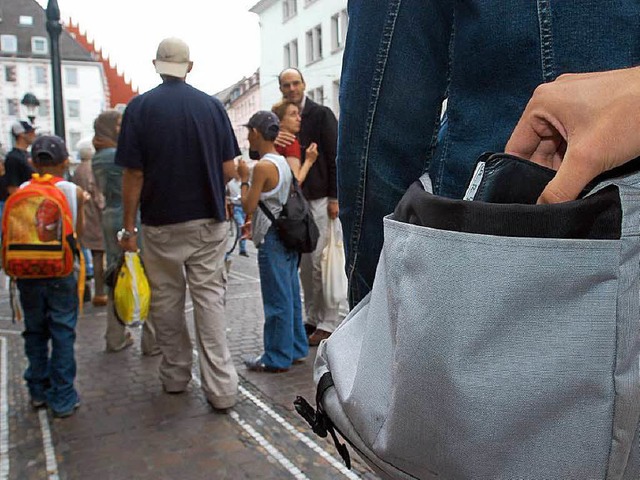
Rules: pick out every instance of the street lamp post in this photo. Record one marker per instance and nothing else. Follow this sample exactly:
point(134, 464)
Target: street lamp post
point(31, 103)
point(54, 27)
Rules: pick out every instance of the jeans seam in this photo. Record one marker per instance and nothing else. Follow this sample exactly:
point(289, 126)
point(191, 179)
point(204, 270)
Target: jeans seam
point(546, 40)
point(437, 182)
point(381, 62)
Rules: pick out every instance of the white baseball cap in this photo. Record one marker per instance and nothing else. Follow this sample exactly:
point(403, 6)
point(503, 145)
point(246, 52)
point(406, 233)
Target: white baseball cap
point(172, 58)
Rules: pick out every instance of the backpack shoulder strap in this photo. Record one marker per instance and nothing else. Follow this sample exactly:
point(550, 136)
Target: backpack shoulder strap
point(266, 211)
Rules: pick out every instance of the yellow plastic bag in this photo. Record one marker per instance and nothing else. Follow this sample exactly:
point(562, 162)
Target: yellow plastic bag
point(131, 294)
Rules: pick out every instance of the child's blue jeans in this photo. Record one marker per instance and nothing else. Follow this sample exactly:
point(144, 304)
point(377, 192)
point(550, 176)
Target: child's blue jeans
point(50, 315)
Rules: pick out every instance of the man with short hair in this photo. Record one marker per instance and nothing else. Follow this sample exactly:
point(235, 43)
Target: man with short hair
point(177, 147)
point(319, 125)
point(16, 164)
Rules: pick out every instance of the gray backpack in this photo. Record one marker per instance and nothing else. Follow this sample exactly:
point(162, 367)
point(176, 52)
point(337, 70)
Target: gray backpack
point(499, 341)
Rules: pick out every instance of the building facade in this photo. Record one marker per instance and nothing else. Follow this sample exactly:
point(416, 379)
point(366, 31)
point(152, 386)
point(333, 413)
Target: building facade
point(241, 100)
point(25, 67)
point(308, 35)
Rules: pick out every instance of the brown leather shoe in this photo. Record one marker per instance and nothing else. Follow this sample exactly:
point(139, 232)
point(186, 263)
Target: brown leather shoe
point(317, 336)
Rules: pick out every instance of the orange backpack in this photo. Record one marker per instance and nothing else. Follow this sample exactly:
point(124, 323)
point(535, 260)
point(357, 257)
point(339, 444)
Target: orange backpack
point(38, 237)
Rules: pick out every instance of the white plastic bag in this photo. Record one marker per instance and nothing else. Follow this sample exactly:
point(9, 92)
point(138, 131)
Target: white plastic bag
point(334, 278)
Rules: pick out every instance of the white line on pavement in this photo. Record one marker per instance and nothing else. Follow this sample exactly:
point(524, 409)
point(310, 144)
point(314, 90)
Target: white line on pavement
point(273, 451)
point(243, 276)
point(300, 436)
point(4, 411)
point(286, 425)
point(47, 443)
point(10, 332)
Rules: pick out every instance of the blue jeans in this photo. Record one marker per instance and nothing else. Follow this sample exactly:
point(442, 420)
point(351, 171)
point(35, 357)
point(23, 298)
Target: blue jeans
point(239, 216)
point(403, 57)
point(284, 336)
point(50, 315)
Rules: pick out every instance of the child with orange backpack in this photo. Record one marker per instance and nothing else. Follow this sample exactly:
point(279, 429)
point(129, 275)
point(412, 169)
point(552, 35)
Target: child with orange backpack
point(39, 226)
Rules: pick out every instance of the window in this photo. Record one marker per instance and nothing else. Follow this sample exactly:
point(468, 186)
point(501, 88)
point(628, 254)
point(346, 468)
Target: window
point(10, 74)
point(26, 20)
point(338, 30)
point(317, 95)
point(71, 74)
point(73, 108)
point(44, 110)
point(314, 44)
point(9, 43)
point(289, 9)
point(41, 75)
point(291, 54)
point(12, 106)
point(74, 139)
point(39, 45)
point(336, 97)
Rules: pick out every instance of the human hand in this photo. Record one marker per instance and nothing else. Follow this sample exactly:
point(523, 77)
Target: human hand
point(86, 195)
point(582, 125)
point(129, 244)
point(284, 139)
point(311, 153)
point(333, 209)
point(243, 171)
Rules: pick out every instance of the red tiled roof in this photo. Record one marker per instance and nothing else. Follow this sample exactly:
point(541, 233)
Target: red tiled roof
point(119, 91)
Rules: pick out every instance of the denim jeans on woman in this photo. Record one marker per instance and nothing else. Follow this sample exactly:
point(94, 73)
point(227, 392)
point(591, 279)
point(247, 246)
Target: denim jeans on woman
point(284, 337)
point(50, 308)
point(404, 57)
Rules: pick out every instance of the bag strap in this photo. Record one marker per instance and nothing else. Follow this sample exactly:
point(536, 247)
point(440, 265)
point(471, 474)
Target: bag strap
point(266, 211)
point(319, 421)
point(292, 188)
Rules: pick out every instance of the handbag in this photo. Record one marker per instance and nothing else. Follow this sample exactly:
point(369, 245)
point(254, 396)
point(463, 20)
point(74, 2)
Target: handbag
point(334, 277)
point(499, 341)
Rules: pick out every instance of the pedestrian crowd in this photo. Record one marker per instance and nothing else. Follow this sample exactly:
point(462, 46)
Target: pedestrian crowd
point(163, 178)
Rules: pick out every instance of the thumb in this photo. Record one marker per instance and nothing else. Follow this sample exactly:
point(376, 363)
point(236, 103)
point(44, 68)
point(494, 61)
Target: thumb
point(575, 172)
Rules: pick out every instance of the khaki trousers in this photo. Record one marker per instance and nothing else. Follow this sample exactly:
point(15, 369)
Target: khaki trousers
point(317, 314)
point(193, 253)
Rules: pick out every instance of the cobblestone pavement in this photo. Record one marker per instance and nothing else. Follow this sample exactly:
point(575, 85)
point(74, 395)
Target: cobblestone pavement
point(127, 428)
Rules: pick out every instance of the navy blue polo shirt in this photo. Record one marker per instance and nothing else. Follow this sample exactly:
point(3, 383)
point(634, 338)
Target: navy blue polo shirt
point(179, 137)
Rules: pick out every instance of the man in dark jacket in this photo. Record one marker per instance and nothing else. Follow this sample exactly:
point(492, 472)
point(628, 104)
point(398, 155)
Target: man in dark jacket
point(319, 125)
point(16, 163)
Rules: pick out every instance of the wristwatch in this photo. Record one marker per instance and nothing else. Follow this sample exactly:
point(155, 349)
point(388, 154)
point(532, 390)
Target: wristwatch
point(125, 234)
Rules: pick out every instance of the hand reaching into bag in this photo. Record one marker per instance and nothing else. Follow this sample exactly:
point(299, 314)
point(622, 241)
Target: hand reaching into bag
point(582, 125)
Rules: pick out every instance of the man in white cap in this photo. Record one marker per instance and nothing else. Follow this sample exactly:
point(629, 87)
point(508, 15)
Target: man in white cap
point(177, 147)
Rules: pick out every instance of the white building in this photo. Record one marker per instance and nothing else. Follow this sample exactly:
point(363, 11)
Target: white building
point(25, 67)
point(241, 100)
point(307, 34)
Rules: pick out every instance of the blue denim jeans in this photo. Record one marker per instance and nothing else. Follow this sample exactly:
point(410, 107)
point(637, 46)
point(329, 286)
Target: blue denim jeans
point(50, 316)
point(284, 336)
point(239, 215)
point(404, 57)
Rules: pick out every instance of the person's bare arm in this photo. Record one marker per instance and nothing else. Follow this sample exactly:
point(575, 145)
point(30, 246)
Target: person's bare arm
point(294, 164)
point(582, 125)
point(311, 155)
point(132, 180)
point(262, 172)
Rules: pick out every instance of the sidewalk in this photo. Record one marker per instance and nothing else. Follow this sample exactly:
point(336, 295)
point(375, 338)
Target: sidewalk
point(128, 428)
